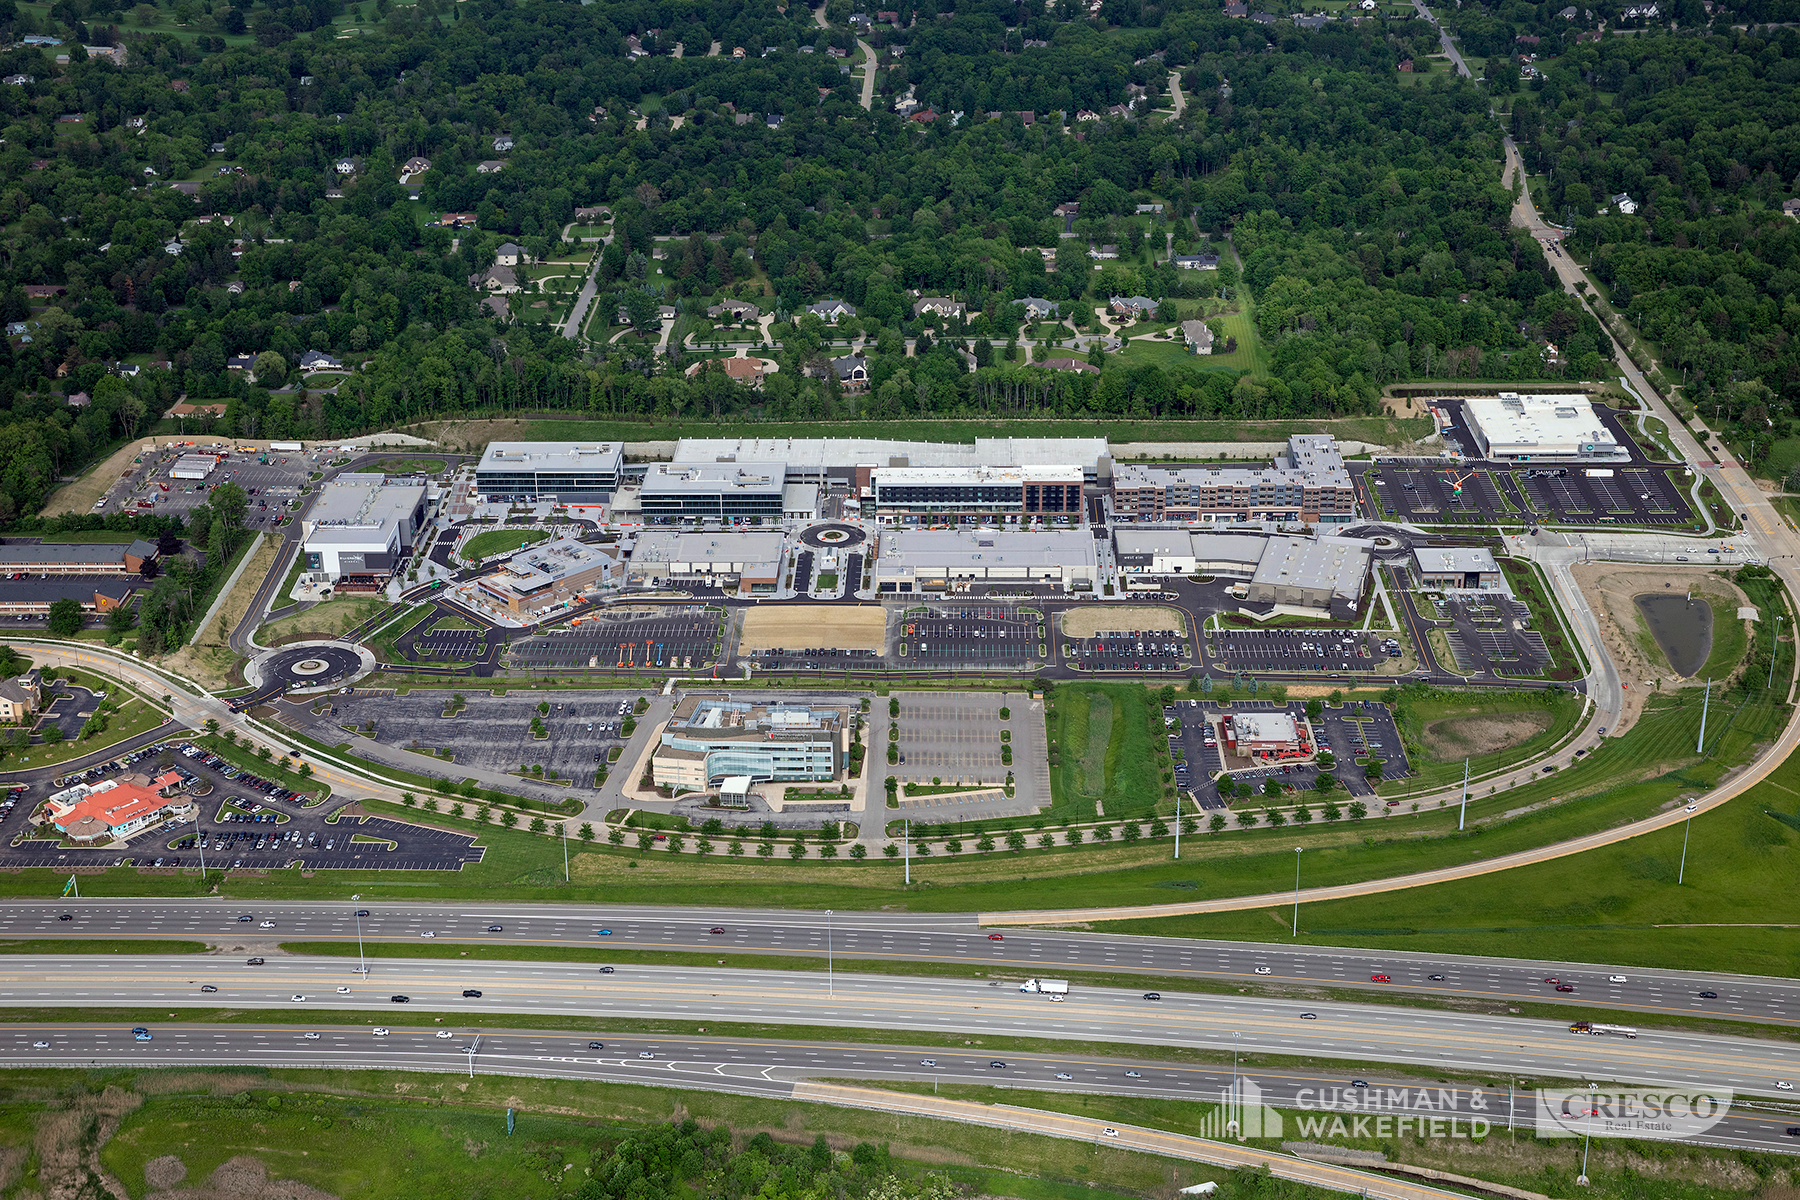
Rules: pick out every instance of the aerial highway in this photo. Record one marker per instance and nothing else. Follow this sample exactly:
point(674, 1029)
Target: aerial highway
point(914, 937)
point(773, 1067)
point(1425, 1040)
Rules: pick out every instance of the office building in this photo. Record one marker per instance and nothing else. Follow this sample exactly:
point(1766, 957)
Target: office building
point(838, 462)
point(712, 739)
point(913, 561)
point(1308, 484)
point(194, 466)
point(723, 492)
point(569, 472)
point(550, 575)
point(749, 562)
point(360, 529)
point(1458, 568)
point(1515, 428)
point(909, 495)
point(95, 593)
point(1168, 551)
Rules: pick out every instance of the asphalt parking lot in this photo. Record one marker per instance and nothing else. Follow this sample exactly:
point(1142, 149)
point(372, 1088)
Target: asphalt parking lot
point(676, 639)
point(1129, 650)
point(1356, 728)
point(980, 635)
point(69, 711)
point(494, 732)
point(803, 570)
point(1330, 651)
point(275, 483)
point(1348, 731)
point(1564, 494)
point(1491, 631)
point(956, 739)
point(305, 835)
point(1198, 762)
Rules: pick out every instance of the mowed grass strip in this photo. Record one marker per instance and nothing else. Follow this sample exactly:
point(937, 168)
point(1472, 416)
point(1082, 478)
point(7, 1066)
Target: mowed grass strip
point(496, 541)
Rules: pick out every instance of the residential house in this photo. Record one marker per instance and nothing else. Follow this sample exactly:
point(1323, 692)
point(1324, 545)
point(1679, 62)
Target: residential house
point(831, 311)
point(1119, 110)
point(416, 165)
point(1149, 208)
point(127, 370)
point(242, 362)
point(1134, 307)
point(457, 220)
point(592, 213)
point(235, 288)
point(747, 371)
point(852, 371)
point(1106, 251)
point(508, 254)
point(1406, 66)
point(490, 166)
point(22, 80)
point(78, 400)
point(741, 311)
point(1528, 39)
point(1038, 309)
point(1238, 9)
point(503, 143)
point(924, 117)
point(20, 698)
point(937, 306)
point(737, 53)
point(1036, 44)
point(1567, 14)
point(1198, 335)
point(1070, 209)
point(1314, 22)
point(1196, 262)
point(180, 86)
point(773, 120)
point(1791, 208)
point(173, 248)
point(334, 193)
point(1624, 203)
point(499, 279)
point(316, 360)
point(43, 291)
point(1070, 364)
point(634, 47)
point(346, 166)
point(1087, 114)
point(184, 409)
point(216, 148)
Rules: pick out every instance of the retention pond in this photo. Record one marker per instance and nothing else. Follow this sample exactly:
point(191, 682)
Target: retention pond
point(1683, 627)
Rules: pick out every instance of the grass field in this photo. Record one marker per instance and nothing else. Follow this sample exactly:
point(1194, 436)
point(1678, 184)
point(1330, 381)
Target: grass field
point(325, 620)
point(1101, 750)
point(1493, 730)
point(498, 541)
point(403, 466)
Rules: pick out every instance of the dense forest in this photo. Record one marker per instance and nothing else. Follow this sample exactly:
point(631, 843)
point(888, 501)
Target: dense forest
point(1358, 211)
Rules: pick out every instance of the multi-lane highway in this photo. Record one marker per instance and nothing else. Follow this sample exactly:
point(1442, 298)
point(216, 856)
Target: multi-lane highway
point(772, 1068)
point(1425, 1040)
point(922, 938)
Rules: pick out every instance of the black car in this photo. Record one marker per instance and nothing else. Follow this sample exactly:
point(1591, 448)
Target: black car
point(66, 917)
point(606, 970)
point(495, 928)
point(399, 999)
point(471, 994)
point(253, 962)
point(997, 1065)
point(1709, 995)
point(244, 918)
point(1435, 978)
point(596, 1045)
point(1793, 1130)
point(362, 912)
point(207, 987)
point(1153, 995)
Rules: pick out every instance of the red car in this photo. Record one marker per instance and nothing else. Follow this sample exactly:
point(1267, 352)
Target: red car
point(717, 929)
point(994, 937)
point(1552, 979)
point(1565, 987)
point(1379, 979)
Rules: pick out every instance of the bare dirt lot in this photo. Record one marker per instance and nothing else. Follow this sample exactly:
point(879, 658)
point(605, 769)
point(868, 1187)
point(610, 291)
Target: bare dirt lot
point(1458, 737)
point(80, 496)
point(801, 626)
point(1610, 588)
point(1086, 622)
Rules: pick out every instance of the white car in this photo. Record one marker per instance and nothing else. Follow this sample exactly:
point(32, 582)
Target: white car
point(1783, 1085)
point(646, 1054)
point(1615, 979)
point(1134, 1075)
point(445, 1033)
point(343, 991)
point(428, 933)
point(1109, 1131)
point(266, 925)
point(40, 1045)
point(311, 1037)
point(378, 1031)
point(1064, 1075)
point(1262, 970)
point(298, 998)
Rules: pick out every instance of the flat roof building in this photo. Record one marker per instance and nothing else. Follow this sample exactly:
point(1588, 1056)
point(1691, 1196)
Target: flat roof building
point(1307, 484)
point(1519, 428)
point(713, 491)
point(1266, 735)
point(1183, 552)
point(1322, 573)
point(554, 573)
point(711, 738)
point(751, 561)
point(908, 494)
point(360, 528)
point(1458, 568)
point(835, 460)
point(913, 561)
point(75, 558)
point(194, 466)
point(569, 471)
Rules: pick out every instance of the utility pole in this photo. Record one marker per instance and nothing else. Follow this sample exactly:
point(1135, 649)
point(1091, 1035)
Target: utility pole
point(564, 826)
point(1774, 638)
point(202, 845)
point(363, 967)
point(906, 844)
point(1464, 812)
point(830, 981)
point(1687, 830)
point(1178, 817)
point(1297, 850)
point(1699, 747)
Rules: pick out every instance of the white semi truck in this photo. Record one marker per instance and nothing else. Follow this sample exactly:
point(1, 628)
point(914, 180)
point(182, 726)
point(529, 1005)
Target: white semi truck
point(1048, 987)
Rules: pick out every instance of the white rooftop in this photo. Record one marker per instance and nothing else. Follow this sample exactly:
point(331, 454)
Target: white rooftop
point(691, 478)
point(951, 476)
point(552, 456)
point(1547, 424)
point(816, 454)
point(1326, 562)
point(920, 548)
point(1264, 727)
point(1455, 558)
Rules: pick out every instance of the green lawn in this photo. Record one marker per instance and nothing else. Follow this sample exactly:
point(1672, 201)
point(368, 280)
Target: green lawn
point(403, 466)
point(497, 541)
point(1102, 750)
point(1440, 727)
point(451, 621)
point(94, 537)
point(325, 620)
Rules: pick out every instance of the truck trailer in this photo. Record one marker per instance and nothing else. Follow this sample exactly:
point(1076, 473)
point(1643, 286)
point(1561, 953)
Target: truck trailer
point(1598, 1029)
point(1048, 987)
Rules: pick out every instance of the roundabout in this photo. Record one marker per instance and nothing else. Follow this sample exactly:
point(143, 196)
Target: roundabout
point(833, 536)
point(308, 666)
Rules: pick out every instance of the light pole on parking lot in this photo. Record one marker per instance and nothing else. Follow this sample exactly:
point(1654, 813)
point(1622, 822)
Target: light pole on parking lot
point(363, 967)
point(1297, 850)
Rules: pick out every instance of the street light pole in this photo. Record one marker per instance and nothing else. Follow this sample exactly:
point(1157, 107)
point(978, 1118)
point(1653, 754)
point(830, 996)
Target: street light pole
point(1687, 830)
point(1587, 1138)
point(1463, 813)
point(906, 844)
point(830, 981)
point(1774, 638)
point(1178, 823)
point(564, 826)
point(363, 967)
point(1297, 850)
